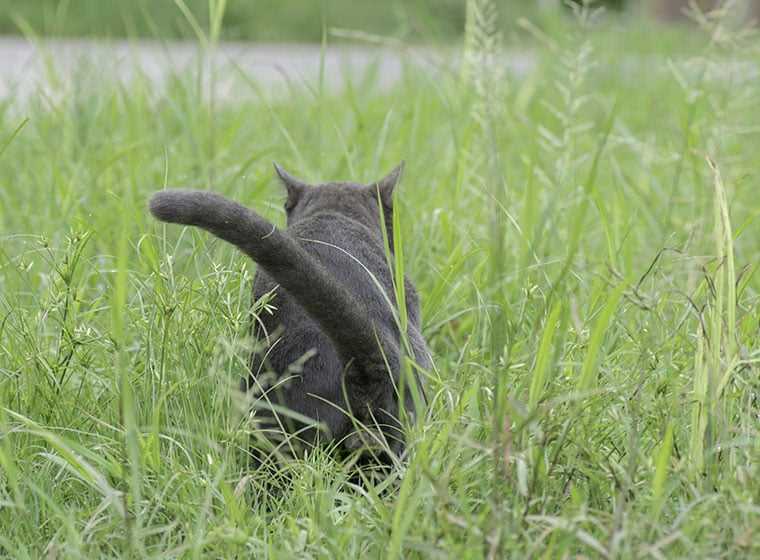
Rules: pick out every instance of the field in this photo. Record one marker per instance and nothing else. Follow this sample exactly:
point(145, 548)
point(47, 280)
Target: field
point(269, 20)
point(585, 243)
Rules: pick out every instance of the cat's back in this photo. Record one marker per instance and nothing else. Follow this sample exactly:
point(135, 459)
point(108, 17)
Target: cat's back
point(352, 253)
point(350, 250)
point(357, 263)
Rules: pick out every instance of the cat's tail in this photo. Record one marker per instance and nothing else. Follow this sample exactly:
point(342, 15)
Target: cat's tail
point(341, 315)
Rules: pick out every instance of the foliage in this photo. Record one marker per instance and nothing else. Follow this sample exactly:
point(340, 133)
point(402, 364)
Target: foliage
point(585, 241)
point(261, 20)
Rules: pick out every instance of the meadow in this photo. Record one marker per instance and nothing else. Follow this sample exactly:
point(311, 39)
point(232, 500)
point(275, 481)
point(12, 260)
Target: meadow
point(585, 240)
point(262, 20)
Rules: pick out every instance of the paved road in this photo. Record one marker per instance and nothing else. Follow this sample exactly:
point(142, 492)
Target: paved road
point(26, 67)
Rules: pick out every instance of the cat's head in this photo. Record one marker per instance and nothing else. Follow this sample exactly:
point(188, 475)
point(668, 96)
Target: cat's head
point(352, 200)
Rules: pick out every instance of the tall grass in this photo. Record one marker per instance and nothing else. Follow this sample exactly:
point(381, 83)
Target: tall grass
point(264, 20)
point(716, 358)
point(586, 276)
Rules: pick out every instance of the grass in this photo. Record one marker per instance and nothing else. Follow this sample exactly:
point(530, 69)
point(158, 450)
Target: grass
point(268, 20)
point(411, 21)
point(585, 242)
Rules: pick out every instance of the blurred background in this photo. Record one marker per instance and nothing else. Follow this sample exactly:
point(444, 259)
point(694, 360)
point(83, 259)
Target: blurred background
point(280, 21)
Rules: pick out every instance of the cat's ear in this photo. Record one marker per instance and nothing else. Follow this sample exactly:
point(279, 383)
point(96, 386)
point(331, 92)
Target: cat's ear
point(386, 185)
point(294, 187)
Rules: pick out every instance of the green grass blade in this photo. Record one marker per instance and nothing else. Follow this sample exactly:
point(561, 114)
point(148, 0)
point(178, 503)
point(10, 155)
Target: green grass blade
point(662, 466)
point(543, 357)
point(587, 380)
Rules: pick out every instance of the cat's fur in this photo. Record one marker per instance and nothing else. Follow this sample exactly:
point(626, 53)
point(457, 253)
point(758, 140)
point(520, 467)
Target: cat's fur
point(333, 351)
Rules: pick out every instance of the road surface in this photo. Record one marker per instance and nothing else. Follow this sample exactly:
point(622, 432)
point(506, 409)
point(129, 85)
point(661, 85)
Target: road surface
point(27, 67)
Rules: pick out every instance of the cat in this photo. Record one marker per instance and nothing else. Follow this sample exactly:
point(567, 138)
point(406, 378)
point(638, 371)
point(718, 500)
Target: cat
point(330, 368)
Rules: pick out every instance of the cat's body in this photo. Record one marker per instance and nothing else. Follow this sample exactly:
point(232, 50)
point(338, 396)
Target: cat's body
point(333, 351)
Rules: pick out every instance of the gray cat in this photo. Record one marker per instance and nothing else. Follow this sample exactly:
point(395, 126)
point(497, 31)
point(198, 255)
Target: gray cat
point(333, 352)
